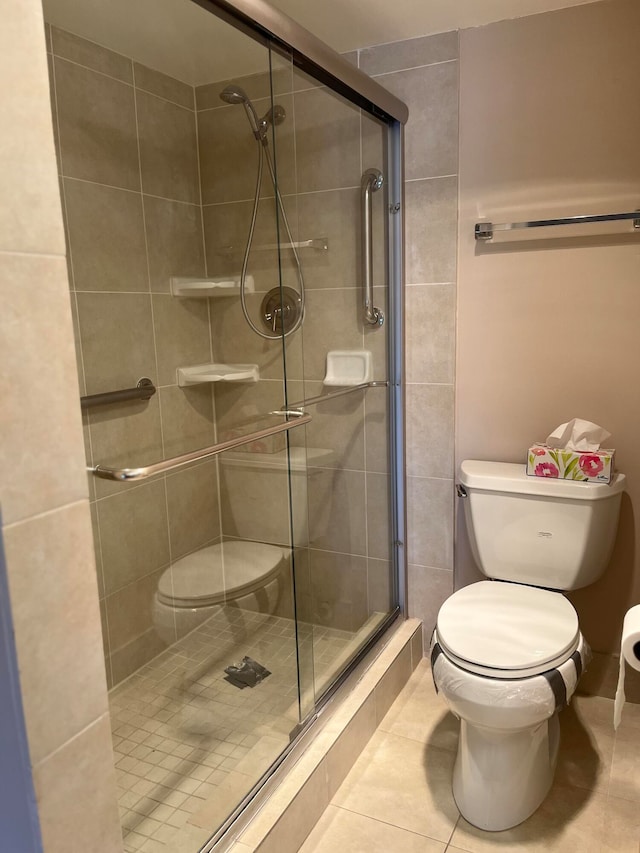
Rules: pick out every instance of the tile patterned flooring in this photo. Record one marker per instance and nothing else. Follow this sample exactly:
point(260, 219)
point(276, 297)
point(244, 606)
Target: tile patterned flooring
point(179, 729)
point(397, 798)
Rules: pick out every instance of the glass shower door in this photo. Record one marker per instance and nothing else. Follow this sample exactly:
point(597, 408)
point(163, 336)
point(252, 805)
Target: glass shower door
point(336, 370)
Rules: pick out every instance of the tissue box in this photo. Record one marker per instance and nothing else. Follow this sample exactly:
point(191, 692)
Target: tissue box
point(594, 466)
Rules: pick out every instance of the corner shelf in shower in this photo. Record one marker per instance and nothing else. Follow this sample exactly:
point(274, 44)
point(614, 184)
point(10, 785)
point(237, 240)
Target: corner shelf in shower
point(205, 288)
point(200, 373)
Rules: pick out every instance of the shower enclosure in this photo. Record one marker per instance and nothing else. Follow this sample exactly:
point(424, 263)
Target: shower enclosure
point(232, 200)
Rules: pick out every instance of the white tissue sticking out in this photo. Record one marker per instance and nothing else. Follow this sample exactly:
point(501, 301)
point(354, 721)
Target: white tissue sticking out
point(579, 435)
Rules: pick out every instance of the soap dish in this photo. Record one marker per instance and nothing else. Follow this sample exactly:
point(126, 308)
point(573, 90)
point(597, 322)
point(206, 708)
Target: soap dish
point(348, 367)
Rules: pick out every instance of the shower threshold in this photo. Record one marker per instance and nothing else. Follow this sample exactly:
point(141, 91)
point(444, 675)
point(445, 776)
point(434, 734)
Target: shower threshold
point(188, 744)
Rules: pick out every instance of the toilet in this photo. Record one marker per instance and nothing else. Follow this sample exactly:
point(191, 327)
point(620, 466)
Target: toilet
point(507, 653)
point(251, 568)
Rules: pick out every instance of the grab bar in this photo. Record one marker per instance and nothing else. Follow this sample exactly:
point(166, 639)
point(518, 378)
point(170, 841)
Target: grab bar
point(144, 390)
point(312, 401)
point(127, 474)
point(372, 181)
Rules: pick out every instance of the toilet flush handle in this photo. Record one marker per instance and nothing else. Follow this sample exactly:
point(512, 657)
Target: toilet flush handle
point(461, 491)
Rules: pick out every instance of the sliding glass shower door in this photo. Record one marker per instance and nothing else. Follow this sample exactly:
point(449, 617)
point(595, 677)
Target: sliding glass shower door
point(231, 322)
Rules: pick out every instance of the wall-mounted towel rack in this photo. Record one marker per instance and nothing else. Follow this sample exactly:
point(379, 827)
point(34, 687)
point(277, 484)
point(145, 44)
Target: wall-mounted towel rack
point(485, 230)
point(144, 390)
point(320, 243)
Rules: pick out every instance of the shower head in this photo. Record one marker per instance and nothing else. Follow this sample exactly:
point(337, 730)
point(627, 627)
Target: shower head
point(234, 95)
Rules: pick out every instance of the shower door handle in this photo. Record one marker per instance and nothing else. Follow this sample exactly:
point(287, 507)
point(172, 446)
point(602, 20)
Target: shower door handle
point(372, 181)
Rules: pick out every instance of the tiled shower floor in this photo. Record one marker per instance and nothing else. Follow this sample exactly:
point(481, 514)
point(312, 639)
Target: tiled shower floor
point(180, 731)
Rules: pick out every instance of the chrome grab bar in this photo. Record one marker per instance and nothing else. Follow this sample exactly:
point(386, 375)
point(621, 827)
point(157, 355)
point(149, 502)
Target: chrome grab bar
point(372, 181)
point(485, 230)
point(144, 390)
point(293, 419)
point(312, 401)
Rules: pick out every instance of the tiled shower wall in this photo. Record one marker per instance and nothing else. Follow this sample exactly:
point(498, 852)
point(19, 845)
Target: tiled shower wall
point(322, 149)
point(128, 160)
point(423, 72)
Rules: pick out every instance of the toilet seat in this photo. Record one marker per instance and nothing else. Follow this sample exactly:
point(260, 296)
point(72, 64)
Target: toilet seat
point(507, 630)
point(220, 572)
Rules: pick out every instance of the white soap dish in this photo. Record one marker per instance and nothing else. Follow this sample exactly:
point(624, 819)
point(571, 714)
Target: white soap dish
point(349, 367)
point(217, 373)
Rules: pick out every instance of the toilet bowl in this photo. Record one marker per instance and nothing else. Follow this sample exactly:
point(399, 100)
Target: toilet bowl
point(507, 653)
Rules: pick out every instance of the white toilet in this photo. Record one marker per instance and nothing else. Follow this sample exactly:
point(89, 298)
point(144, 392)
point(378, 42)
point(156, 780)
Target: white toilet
point(507, 653)
point(252, 568)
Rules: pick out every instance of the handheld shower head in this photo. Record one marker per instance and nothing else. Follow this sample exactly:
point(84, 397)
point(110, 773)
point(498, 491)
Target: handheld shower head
point(236, 95)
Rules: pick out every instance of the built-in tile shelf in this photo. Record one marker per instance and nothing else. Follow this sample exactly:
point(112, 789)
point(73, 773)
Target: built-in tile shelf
point(205, 288)
point(200, 373)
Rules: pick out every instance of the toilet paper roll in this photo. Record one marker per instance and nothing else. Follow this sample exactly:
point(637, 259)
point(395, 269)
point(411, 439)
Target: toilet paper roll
point(629, 654)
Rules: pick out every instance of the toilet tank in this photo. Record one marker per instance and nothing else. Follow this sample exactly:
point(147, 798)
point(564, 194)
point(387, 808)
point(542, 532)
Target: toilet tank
point(255, 497)
point(551, 533)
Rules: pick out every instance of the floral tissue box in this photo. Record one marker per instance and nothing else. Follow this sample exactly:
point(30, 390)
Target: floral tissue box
point(595, 466)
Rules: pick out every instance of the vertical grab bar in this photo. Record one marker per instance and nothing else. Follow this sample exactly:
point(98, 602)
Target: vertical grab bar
point(372, 180)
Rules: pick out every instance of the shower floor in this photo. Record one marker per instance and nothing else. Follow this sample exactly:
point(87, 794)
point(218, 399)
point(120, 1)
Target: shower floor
point(188, 745)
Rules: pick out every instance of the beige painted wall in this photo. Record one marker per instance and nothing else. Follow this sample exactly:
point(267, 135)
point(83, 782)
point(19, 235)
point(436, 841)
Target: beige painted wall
point(548, 329)
point(43, 489)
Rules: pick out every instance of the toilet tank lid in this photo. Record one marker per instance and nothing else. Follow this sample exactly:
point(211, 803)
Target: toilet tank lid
point(513, 478)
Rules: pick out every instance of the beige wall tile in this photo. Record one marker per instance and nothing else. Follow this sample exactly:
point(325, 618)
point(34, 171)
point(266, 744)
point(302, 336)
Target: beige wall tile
point(334, 215)
point(430, 333)
point(37, 331)
point(182, 334)
point(161, 84)
point(328, 141)
point(409, 54)
point(428, 590)
point(256, 86)
point(338, 426)
point(168, 149)
point(337, 511)
point(174, 241)
point(133, 655)
point(133, 532)
point(30, 214)
point(130, 611)
point(431, 218)
point(333, 321)
point(84, 807)
point(430, 522)
point(56, 619)
point(338, 589)
point(429, 413)
point(379, 543)
point(106, 236)
point(116, 331)
point(187, 419)
point(431, 136)
point(91, 55)
point(192, 503)
point(124, 435)
point(380, 585)
point(227, 155)
point(376, 427)
point(97, 144)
